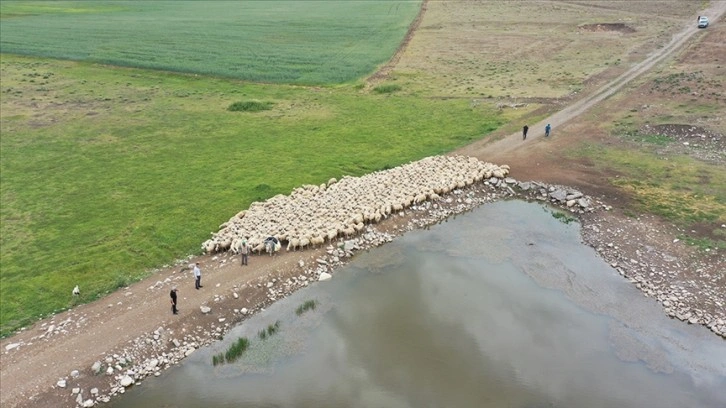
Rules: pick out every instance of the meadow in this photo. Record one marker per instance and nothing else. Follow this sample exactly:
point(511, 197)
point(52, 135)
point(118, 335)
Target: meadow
point(108, 172)
point(302, 42)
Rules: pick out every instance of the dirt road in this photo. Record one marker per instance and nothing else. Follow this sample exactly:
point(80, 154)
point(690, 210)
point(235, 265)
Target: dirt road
point(503, 148)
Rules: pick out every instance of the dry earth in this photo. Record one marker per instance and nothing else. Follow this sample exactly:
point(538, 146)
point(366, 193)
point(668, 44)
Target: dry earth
point(137, 319)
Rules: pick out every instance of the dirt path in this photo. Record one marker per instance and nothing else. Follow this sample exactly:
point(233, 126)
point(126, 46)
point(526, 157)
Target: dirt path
point(503, 148)
point(73, 340)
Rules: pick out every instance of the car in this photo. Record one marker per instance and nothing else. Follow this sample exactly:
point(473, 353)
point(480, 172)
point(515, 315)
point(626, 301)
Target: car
point(702, 21)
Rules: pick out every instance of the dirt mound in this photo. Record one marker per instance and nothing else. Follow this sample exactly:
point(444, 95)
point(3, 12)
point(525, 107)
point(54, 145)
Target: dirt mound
point(604, 27)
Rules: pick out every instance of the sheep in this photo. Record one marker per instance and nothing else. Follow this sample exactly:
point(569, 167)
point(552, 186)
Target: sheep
point(258, 248)
point(317, 241)
point(304, 242)
point(76, 291)
point(294, 243)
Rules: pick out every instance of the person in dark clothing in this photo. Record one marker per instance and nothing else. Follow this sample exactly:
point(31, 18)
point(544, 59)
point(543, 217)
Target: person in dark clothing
point(524, 132)
point(548, 128)
point(173, 300)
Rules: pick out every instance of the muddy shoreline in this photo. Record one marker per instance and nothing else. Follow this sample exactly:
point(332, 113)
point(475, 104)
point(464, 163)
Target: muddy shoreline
point(641, 250)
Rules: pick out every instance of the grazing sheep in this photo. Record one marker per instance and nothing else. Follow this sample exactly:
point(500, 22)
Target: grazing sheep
point(258, 248)
point(317, 241)
point(294, 243)
point(304, 242)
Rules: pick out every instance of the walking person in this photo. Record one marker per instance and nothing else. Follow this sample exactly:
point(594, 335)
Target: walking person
point(524, 132)
point(245, 251)
point(197, 276)
point(172, 294)
point(547, 130)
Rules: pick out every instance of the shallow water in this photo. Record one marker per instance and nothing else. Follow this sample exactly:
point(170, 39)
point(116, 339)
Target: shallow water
point(499, 307)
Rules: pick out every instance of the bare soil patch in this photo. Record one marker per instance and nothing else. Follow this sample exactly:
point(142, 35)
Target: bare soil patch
point(608, 27)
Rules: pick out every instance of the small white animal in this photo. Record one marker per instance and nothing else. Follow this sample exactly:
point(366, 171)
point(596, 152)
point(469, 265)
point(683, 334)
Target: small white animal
point(76, 291)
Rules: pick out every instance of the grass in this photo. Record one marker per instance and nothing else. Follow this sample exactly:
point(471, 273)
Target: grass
point(563, 217)
point(535, 49)
point(269, 331)
point(304, 42)
point(107, 173)
point(387, 88)
point(233, 353)
point(308, 305)
point(250, 106)
point(680, 189)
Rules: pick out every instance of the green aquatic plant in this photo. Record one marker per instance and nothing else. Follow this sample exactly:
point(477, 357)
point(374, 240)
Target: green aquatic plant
point(308, 305)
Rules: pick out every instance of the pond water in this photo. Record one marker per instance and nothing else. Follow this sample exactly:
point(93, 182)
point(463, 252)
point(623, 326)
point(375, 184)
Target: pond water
point(499, 307)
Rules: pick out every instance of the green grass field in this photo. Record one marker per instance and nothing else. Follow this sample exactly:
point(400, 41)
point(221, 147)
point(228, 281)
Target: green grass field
point(108, 172)
point(303, 42)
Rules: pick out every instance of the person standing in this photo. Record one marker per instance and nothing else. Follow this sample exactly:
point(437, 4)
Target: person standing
point(197, 276)
point(547, 130)
point(245, 251)
point(172, 294)
point(524, 132)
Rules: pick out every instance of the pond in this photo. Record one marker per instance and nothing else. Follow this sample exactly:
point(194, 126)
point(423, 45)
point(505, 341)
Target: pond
point(499, 307)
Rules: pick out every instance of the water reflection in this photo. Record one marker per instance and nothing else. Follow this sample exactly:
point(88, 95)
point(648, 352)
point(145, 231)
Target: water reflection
point(501, 307)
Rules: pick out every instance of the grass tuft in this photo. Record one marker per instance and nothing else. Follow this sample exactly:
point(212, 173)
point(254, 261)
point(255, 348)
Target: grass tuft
point(269, 331)
point(308, 305)
point(250, 106)
point(387, 88)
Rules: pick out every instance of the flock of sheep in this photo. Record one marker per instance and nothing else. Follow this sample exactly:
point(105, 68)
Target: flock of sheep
point(312, 214)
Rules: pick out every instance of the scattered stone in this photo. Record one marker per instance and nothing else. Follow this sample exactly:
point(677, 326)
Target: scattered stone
point(205, 309)
point(11, 346)
point(126, 381)
point(324, 276)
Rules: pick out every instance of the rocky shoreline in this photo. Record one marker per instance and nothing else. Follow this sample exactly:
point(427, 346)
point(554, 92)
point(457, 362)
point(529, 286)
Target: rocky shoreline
point(656, 271)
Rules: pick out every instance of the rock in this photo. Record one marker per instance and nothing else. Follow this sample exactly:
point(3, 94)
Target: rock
point(205, 309)
point(96, 367)
point(176, 342)
point(79, 398)
point(109, 371)
point(321, 261)
point(11, 346)
point(126, 381)
point(75, 391)
point(301, 263)
point(559, 195)
point(235, 295)
point(324, 276)
point(75, 374)
point(244, 310)
point(94, 391)
point(153, 363)
point(61, 383)
point(583, 202)
point(349, 245)
point(88, 403)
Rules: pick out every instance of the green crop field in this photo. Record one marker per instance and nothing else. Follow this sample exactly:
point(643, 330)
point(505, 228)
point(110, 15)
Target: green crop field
point(106, 173)
point(302, 42)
